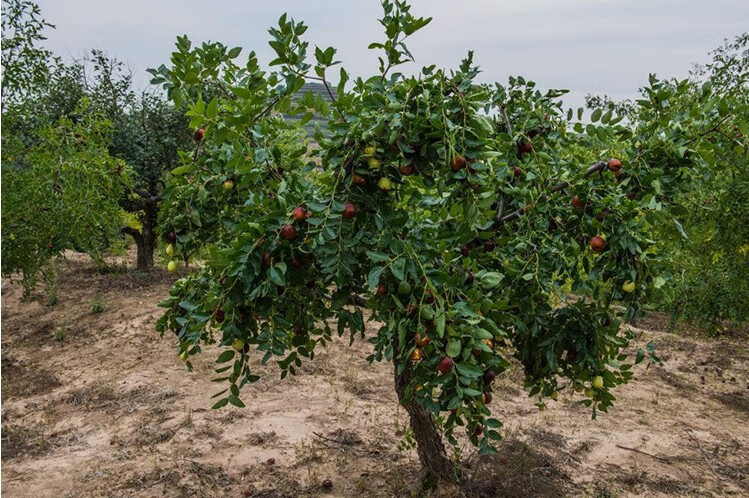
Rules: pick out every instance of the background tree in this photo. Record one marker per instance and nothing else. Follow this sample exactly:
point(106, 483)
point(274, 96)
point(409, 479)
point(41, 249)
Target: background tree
point(25, 64)
point(144, 130)
point(147, 132)
point(60, 186)
point(708, 278)
point(58, 194)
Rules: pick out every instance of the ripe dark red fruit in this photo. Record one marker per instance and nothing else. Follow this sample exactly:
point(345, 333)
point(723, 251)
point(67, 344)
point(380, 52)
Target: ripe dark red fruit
point(577, 202)
point(458, 162)
point(465, 250)
point(299, 213)
point(288, 232)
point(327, 483)
point(357, 179)
point(247, 493)
point(271, 461)
point(615, 165)
point(171, 237)
point(470, 278)
point(219, 316)
point(199, 134)
point(266, 259)
point(382, 289)
point(525, 147)
point(597, 244)
point(516, 172)
point(296, 263)
point(487, 397)
point(349, 210)
point(489, 376)
point(479, 430)
point(445, 364)
point(632, 195)
point(406, 170)
point(489, 246)
point(50, 246)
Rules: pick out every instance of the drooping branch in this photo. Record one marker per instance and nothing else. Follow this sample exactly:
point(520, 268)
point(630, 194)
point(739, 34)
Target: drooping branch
point(599, 166)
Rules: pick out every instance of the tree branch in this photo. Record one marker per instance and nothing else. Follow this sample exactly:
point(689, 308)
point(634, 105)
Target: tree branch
point(708, 131)
point(353, 300)
point(325, 84)
point(135, 234)
point(599, 166)
point(333, 99)
point(508, 126)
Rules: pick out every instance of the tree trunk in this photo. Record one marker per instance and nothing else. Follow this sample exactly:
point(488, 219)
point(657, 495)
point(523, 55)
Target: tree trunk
point(436, 465)
point(146, 239)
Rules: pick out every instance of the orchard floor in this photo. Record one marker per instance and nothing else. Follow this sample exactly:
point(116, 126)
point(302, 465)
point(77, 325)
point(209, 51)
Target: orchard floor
point(108, 410)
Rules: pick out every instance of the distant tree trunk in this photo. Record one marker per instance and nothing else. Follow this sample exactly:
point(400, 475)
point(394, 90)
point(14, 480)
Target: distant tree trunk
point(146, 238)
point(436, 466)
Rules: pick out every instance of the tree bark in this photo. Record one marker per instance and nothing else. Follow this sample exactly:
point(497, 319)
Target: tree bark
point(436, 465)
point(146, 238)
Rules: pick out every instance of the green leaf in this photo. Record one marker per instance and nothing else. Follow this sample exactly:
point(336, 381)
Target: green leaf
point(181, 170)
point(187, 305)
point(374, 277)
point(471, 371)
point(378, 257)
point(453, 348)
point(480, 333)
point(491, 279)
point(680, 229)
point(225, 356)
point(236, 401)
point(276, 276)
point(212, 109)
point(220, 403)
point(398, 268)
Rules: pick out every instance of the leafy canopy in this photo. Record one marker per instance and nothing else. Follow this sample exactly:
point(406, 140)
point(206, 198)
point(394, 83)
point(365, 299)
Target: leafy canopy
point(463, 242)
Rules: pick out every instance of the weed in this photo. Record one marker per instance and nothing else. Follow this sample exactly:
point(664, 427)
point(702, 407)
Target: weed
point(99, 305)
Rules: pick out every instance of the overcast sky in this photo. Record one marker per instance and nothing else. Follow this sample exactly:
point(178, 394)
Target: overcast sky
point(586, 46)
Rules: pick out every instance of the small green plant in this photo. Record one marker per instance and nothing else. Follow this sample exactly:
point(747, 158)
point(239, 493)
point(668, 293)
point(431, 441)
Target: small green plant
point(99, 305)
point(52, 299)
point(60, 333)
point(51, 277)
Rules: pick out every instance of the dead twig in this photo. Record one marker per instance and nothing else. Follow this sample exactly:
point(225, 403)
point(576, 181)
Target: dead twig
point(337, 441)
point(702, 451)
point(660, 459)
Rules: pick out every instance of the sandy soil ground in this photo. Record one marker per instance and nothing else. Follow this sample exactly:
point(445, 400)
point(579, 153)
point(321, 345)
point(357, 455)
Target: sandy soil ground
point(97, 404)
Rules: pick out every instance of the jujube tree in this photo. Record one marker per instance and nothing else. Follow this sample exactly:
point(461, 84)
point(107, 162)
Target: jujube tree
point(460, 216)
point(59, 193)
